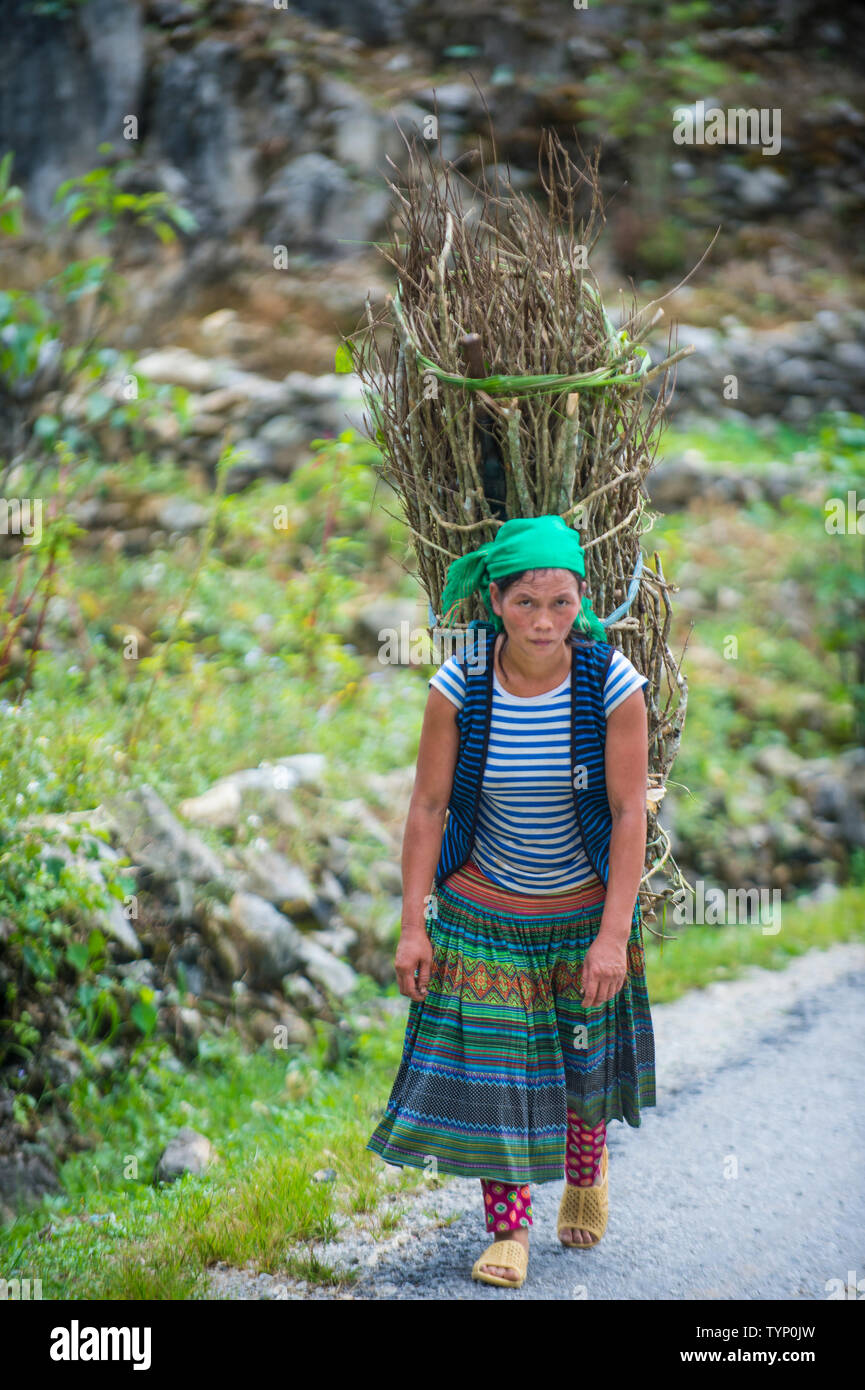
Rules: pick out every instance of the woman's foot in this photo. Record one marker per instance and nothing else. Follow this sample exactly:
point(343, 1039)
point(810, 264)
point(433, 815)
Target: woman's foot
point(574, 1235)
point(505, 1271)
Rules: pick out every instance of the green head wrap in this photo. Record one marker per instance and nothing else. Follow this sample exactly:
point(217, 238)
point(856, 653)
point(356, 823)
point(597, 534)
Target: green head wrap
point(539, 542)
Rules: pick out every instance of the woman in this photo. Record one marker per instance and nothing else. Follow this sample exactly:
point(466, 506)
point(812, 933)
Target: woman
point(529, 1026)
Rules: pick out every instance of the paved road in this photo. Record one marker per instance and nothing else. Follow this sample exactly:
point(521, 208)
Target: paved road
point(761, 1078)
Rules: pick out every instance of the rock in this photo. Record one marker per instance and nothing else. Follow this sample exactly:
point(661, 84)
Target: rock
point(851, 356)
point(358, 129)
point(196, 125)
point(281, 432)
point(284, 438)
point(326, 404)
point(187, 1152)
point(727, 599)
point(387, 616)
point(376, 22)
point(833, 800)
point(312, 205)
point(182, 514)
point(270, 943)
point(265, 790)
point(186, 1026)
point(358, 811)
point(296, 1029)
point(585, 50)
point(154, 839)
point(340, 854)
point(208, 425)
point(779, 762)
point(303, 994)
point(326, 970)
point(249, 386)
point(262, 1026)
point(219, 806)
point(390, 1174)
point(408, 117)
point(852, 764)
point(387, 875)
point(674, 482)
point(25, 1178)
point(270, 875)
point(825, 891)
point(757, 190)
point(165, 429)
point(221, 400)
point(141, 973)
point(216, 927)
point(91, 61)
point(795, 374)
point(337, 939)
point(306, 768)
point(324, 1175)
point(453, 98)
point(831, 325)
point(330, 888)
point(812, 710)
point(177, 366)
point(252, 459)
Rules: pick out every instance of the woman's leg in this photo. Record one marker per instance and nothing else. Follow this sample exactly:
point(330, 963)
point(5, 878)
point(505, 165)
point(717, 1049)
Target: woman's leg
point(508, 1213)
point(507, 1206)
point(583, 1151)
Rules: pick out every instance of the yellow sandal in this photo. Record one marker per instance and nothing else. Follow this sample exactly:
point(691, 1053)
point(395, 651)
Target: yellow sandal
point(510, 1255)
point(586, 1209)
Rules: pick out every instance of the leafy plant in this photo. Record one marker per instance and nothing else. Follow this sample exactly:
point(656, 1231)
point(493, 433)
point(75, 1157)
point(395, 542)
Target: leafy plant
point(50, 338)
point(43, 902)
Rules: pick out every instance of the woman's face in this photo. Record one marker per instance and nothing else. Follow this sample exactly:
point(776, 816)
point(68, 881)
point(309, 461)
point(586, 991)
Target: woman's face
point(539, 610)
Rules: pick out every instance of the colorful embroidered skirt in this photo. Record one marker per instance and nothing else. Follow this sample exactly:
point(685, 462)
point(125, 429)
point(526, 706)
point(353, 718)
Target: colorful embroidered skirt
point(501, 1044)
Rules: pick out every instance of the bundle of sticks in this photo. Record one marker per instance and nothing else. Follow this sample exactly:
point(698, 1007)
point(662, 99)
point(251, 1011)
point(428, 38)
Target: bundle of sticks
point(498, 387)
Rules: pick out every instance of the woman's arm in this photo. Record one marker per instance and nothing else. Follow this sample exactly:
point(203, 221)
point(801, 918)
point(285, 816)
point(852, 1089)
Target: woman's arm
point(436, 761)
point(627, 773)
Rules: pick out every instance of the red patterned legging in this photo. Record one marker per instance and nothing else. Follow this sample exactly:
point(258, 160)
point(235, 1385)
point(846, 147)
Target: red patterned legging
point(508, 1206)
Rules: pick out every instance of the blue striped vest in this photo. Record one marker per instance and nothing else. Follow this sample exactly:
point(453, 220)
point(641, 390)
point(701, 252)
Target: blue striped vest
point(590, 663)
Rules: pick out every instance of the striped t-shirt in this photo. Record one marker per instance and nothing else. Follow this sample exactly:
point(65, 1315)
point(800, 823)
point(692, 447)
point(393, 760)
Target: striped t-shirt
point(527, 836)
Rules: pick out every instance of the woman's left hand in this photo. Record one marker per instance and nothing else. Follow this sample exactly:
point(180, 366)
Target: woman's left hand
point(605, 970)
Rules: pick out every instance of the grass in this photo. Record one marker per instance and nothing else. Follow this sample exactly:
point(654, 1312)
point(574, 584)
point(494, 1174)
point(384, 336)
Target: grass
point(732, 442)
point(700, 955)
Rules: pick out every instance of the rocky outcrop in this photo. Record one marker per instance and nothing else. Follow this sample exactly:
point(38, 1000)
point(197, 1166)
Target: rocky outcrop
point(257, 115)
point(270, 423)
point(788, 373)
point(686, 480)
point(807, 851)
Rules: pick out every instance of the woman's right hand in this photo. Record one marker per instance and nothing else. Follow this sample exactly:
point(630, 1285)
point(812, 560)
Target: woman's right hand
point(414, 953)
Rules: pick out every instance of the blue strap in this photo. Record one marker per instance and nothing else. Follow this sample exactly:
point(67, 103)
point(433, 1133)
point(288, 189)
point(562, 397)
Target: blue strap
point(632, 594)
